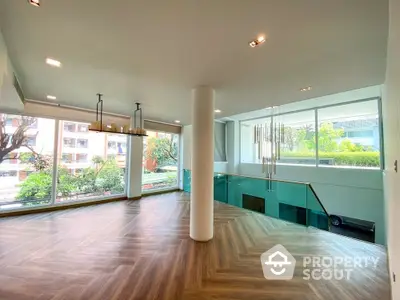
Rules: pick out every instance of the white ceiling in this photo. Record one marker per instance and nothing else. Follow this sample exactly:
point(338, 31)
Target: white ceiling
point(155, 51)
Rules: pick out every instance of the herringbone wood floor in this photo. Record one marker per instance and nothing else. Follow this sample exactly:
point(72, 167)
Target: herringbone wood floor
point(142, 250)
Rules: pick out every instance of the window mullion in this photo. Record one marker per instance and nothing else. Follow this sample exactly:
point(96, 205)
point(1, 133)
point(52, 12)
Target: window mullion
point(55, 163)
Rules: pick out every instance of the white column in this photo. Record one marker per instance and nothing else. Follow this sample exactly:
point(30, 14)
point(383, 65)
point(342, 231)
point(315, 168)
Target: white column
point(134, 167)
point(202, 186)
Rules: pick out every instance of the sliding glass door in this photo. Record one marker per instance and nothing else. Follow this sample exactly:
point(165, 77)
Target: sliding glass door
point(160, 161)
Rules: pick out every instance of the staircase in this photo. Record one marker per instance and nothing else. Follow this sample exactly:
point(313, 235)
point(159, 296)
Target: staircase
point(295, 202)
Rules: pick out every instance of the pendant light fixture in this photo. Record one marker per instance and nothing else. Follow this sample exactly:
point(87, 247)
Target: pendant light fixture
point(99, 126)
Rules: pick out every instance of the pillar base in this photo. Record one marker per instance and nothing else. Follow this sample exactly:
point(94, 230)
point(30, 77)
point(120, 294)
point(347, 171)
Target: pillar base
point(201, 240)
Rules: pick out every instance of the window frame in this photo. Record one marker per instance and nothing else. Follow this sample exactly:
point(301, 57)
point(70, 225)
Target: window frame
point(58, 144)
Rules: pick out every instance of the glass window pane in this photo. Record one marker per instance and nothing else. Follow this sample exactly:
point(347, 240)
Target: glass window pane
point(348, 135)
point(160, 161)
point(87, 168)
point(26, 161)
point(297, 138)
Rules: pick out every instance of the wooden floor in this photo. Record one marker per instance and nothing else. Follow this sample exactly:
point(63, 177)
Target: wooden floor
point(142, 250)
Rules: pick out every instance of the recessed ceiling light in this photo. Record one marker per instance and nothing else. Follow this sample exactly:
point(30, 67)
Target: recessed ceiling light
point(50, 97)
point(34, 2)
point(306, 89)
point(53, 62)
point(217, 111)
point(260, 40)
point(177, 121)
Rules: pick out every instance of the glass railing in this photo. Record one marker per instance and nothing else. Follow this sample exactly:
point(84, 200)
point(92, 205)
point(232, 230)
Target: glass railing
point(295, 202)
point(187, 179)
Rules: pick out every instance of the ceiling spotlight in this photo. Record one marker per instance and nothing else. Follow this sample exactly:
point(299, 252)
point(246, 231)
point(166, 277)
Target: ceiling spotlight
point(217, 111)
point(306, 89)
point(51, 97)
point(177, 121)
point(34, 2)
point(260, 40)
point(53, 62)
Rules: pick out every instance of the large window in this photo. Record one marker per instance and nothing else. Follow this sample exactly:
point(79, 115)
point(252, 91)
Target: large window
point(86, 166)
point(160, 161)
point(348, 135)
point(26, 159)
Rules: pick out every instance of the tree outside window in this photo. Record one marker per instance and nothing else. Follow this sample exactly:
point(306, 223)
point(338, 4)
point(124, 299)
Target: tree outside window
point(160, 161)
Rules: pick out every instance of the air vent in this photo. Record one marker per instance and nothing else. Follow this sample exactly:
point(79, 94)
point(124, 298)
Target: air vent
point(18, 89)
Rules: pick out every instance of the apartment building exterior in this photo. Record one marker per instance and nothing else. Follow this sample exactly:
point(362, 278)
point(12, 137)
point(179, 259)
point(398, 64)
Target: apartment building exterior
point(76, 148)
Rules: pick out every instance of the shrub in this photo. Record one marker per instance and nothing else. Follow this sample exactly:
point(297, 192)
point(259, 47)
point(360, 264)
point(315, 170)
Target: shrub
point(362, 158)
point(106, 177)
point(86, 181)
point(66, 183)
point(111, 178)
point(37, 186)
point(172, 178)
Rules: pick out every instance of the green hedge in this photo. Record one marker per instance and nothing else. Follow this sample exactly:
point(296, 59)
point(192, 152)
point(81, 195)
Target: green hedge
point(361, 159)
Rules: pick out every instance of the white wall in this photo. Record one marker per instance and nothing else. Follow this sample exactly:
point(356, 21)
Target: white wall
point(187, 152)
point(9, 99)
point(391, 114)
point(3, 58)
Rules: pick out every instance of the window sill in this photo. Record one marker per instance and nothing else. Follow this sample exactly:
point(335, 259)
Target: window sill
point(157, 191)
point(55, 206)
point(319, 166)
